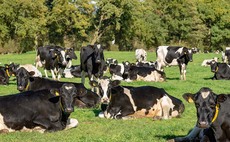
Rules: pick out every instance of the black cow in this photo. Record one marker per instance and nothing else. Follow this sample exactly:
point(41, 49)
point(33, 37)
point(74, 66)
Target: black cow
point(25, 82)
point(55, 59)
point(47, 110)
point(174, 55)
point(220, 70)
point(145, 74)
point(4, 75)
point(212, 116)
point(92, 61)
point(144, 101)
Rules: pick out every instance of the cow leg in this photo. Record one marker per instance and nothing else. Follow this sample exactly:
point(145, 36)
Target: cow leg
point(83, 77)
point(53, 74)
point(50, 126)
point(182, 68)
point(45, 71)
point(60, 72)
point(71, 123)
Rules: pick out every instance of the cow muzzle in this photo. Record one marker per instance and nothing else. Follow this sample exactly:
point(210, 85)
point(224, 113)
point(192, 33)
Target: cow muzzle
point(98, 61)
point(64, 63)
point(203, 124)
point(20, 88)
point(69, 110)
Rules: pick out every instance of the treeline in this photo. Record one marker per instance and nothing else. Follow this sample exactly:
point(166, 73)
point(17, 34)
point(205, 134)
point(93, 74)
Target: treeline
point(119, 24)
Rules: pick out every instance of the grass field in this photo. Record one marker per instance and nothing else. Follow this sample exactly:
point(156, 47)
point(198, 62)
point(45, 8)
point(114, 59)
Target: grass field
point(94, 129)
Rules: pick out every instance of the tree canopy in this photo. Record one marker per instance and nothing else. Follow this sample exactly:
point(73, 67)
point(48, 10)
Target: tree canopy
point(131, 24)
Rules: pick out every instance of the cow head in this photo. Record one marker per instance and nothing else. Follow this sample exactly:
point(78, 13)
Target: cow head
point(104, 84)
point(67, 93)
point(214, 66)
point(98, 53)
point(11, 69)
point(207, 105)
point(187, 55)
point(59, 55)
point(23, 79)
point(70, 54)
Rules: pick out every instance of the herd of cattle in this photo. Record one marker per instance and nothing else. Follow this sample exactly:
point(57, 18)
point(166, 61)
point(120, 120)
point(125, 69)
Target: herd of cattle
point(57, 99)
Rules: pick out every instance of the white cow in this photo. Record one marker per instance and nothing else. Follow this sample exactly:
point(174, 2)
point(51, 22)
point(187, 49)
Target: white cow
point(141, 55)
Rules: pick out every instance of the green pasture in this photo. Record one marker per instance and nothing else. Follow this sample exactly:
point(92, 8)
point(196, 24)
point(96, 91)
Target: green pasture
point(94, 129)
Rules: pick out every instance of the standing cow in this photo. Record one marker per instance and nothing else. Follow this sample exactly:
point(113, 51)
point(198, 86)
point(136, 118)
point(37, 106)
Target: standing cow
point(92, 61)
point(174, 55)
point(55, 59)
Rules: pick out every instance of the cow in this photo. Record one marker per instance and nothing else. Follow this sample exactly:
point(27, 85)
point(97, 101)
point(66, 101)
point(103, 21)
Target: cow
point(92, 61)
point(43, 110)
point(110, 61)
point(119, 71)
point(141, 55)
point(73, 71)
point(4, 75)
point(220, 70)
point(174, 55)
point(206, 62)
point(146, 64)
point(25, 82)
point(12, 67)
point(212, 116)
point(226, 57)
point(143, 101)
point(55, 59)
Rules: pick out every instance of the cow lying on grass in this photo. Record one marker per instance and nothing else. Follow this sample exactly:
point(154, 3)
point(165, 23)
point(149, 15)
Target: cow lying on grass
point(213, 115)
point(144, 101)
point(44, 110)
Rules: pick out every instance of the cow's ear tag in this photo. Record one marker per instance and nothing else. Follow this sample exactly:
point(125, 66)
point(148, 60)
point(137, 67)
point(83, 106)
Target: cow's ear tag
point(190, 100)
point(56, 93)
point(185, 53)
point(55, 54)
point(7, 66)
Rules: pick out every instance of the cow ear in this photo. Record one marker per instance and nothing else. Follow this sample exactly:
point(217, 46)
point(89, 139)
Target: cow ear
point(81, 92)
point(53, 53)
point(221, 98)
point(31, 73)
point(115, 83)
point(55, 92)
point(93, 83)
point(189, 97)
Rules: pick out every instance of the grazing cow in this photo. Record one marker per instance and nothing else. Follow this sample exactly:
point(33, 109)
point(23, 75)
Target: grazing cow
point(144, 101)
point(44, 110)
point(119, 71)
point(206, 62)
point(220, 70)
point(141, 55)
point(4, 75)
point(145, 74)
point(92, 61)
point(25, 82)
point(174, 55)
point(213, 113)
point(55, 59)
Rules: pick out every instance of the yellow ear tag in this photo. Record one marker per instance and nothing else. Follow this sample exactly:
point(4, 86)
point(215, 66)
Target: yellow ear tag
point(56, 93)
point(185, 53)
point(7, 66)
point(190, 100)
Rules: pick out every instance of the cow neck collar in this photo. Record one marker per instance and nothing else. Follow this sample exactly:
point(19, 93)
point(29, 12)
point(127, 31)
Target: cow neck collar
point(27, 86)
point(216, 113)
point(216, 69)
point(7, 72)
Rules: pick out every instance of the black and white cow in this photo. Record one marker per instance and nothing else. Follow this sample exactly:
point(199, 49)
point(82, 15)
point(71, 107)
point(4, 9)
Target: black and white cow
point(119, 71)
point(145, 74)
point(207, 62)
point(213, 117)
point(141, 55)
point(226, 56)
point(44, 110)
point(25, 82)
point(220, 70)
point(173, 55)
point(144, 101)
point(92, 61)
point(55, 59)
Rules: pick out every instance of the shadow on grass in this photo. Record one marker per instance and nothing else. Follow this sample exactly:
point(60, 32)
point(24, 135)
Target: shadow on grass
point(173, 78)
point(209, 78)
point(168, 138)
